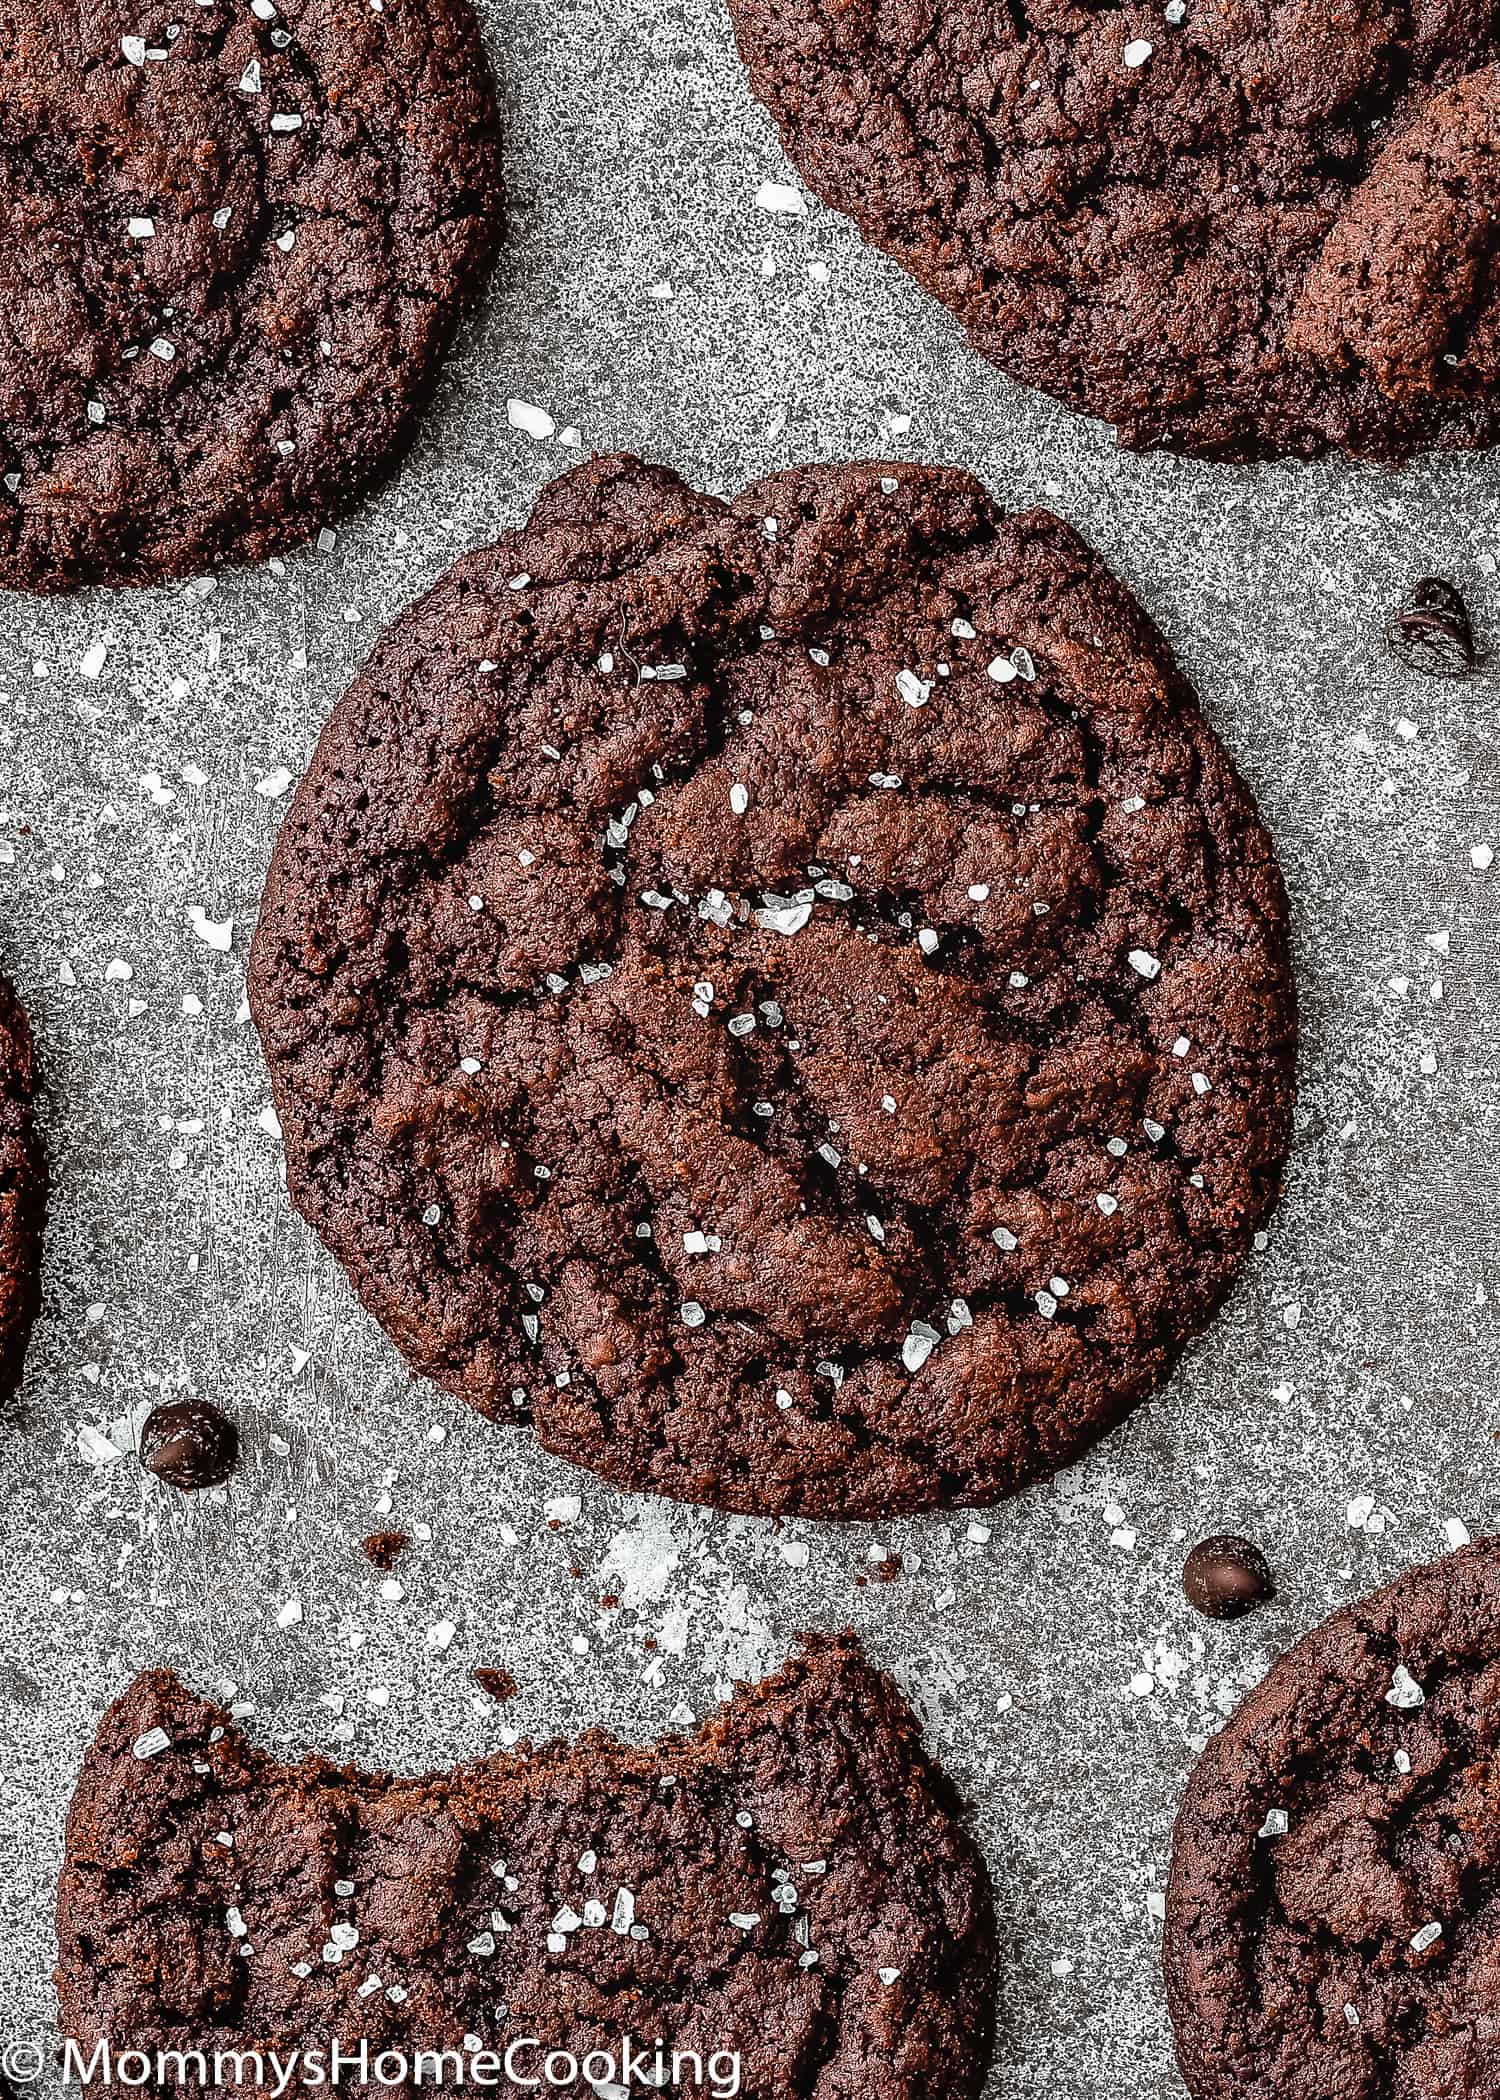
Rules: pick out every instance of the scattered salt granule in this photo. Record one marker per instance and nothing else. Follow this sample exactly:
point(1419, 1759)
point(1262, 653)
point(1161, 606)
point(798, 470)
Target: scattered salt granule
point(535, 422)
point(1405, 1693)
point(216, 933)
point(782, 197)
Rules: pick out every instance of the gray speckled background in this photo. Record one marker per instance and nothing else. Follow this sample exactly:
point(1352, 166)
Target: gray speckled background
point(1342, 1411)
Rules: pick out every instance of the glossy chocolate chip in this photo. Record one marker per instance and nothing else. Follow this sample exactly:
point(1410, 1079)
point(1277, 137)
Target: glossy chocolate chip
point(1227, 1576)
point(1431, 631)
point(189, 1444)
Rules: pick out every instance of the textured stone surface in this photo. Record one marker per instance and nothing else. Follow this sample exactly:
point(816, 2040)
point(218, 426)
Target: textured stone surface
point(1064, 1676)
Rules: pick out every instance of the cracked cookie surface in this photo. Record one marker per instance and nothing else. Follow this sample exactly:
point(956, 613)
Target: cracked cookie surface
point(239, 236)
point(789, 997)
point(793, 1883)
point(1239, 228)
point(1332, 1911)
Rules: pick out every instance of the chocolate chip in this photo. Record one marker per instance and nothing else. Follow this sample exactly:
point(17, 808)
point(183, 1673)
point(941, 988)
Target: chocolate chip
point(498, 1684)
point(1226, 1576)
point(1431, 631)
point(189, 1444)
point(384, 1548)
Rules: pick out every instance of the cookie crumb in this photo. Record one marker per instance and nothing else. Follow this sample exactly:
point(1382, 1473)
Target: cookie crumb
point(382, 1549)
point(498, 1685)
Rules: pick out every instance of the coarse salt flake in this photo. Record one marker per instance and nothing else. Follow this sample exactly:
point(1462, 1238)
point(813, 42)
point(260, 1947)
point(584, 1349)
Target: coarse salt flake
point(217, 934)
point(781, 197)
point(1405, 1693)
point(534, 421)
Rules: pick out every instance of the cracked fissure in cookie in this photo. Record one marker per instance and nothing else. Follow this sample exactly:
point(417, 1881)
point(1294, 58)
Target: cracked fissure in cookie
point(793, 1883)
point(239, 237)
point(789, 996)
point(1331, 1916)
point(1243, 228)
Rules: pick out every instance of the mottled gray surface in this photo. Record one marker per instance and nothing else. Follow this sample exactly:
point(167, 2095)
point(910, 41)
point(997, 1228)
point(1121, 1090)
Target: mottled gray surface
point(1065, 1680)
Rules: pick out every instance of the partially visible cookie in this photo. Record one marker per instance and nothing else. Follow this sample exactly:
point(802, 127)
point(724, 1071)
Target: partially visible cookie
point(237, 241)
point(789, 996)
point(1245, 229)
point(793, 1885)
point(1332, 1925)
point(23, 1189)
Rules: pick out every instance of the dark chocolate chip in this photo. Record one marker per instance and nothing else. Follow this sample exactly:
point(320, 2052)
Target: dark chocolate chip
point(384, 1548)
point(1226, 1576)
point(1431, 631)
point(189, 1444)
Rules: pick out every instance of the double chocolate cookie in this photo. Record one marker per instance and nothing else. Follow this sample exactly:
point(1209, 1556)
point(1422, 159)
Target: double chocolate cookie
point(238, 238)
point(1237, 228)
point(789, 996)
point(791, 1886)
point(1333, 1926)
point(23, 1189)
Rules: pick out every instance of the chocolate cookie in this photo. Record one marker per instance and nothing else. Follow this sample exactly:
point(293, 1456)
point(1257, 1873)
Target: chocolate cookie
point(1332, 1925)
point(790, 995)
point(1237, 228)
point(239, 238)
point(792, 1885)
point(23, 1189)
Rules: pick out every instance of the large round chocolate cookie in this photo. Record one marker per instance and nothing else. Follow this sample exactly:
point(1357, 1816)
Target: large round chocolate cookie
point(1333, 1917)
point(238, 237)
point(23, 1189)
point(792, 1886)
point(789, 996)
point(1239, 228)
